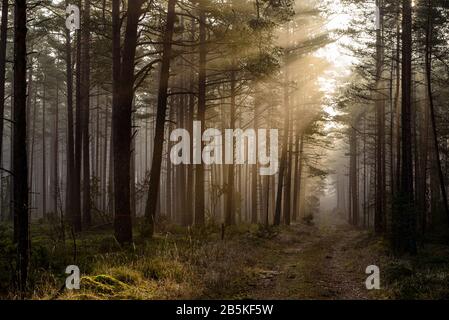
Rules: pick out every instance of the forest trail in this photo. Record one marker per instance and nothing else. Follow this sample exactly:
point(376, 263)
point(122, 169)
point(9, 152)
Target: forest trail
point(317, 263)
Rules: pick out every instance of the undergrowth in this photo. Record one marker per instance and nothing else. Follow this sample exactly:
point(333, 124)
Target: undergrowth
point(193, 263)
point(176, 264)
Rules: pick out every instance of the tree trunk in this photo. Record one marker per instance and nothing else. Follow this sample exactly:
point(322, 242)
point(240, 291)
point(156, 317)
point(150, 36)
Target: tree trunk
point(379, 216)
point(397, 167)
point(169, 171)
point(199, 169)
point(155, 174)
point(428, 58)
point(133, 179)
point(3, 42)
point(230, 212)
point(20, 165)
point(181, 172)
point(70, 139)
point(354, 178)
point(105, 158)
point(85, 106)
point(283, 164)
point(288, 177)
point(31, 157)
point(404, 240)
point(76, 205)
point(190, 116)
point(298, 173)
point(44, 153)
point(122, 118)
point(254, 174)
point(55, 182)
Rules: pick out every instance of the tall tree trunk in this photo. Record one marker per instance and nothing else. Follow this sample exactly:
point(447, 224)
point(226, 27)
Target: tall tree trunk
point(254, 174)
point(44, 152)
point(122, 118)
point(283, 164)
point(85, 105)
point(105, 157)
point(199, 169)
point(20, 165)
point(428, 58)
point(30, 129)
point(181, 172)
point(365, 204)
point(190, 116)
point(298, 173)
point(76, 204)
point(116, 65)
point(70, 214)
point(3, 42)
point(169, 171)
point(404, 240)
point(133, 179)
point(230, 212)
point(379, 216)
point(31, 153)
point(55, 182)
point(397, 167)
point(354, 178)
point(421, 191)
point(155, 174)
point(97, 159)
point(288, 177)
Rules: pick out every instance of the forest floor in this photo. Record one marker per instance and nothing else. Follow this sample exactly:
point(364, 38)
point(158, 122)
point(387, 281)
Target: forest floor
point(314, 263)
point(298, 262)
point(302, 261)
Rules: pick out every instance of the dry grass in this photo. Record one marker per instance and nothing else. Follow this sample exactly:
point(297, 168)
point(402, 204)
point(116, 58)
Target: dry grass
point(301, 262)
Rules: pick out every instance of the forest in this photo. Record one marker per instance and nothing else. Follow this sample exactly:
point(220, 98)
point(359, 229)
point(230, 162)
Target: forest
point(224, 149)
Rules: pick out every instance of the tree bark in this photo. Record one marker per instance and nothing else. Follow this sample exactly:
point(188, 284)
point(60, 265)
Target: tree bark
point(20, 164)
point(298, 173)
point(155, 173)
point(44, 152)
point(55, 182)
point(3, 43)
point(428, 58)
point(354, 178)
point(230, 212)
point(288, 177)
point(199, 169)
point(283, 164)
point(70, 156)
point(190, 116)
point(122, 118)
point(76, 204)
point(404, 240)
point(379, 216)
point(254, 173)
point(85, 105)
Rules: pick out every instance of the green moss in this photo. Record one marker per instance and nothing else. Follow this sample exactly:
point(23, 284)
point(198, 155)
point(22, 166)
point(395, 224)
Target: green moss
point(102, 284)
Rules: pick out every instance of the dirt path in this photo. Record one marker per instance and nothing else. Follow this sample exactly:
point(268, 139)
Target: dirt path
point(313, 263)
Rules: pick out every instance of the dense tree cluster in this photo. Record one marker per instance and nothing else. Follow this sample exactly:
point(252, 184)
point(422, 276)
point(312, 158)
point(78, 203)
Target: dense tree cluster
point(395, 106)
point(87, 114)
